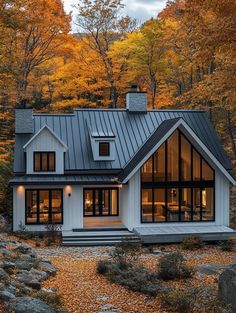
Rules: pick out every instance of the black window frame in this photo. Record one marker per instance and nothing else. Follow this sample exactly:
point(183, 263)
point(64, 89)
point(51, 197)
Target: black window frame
point(50, 206)
point(107, 143)
point(180, 184)
point(41, 163)
point(100, 203)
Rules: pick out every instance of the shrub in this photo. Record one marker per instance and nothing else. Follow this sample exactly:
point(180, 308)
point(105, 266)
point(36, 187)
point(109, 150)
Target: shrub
point(226, 245)
point(53, 231)
point(48, 241)
point(179, 300)
point(192, 242)
point(134, 278)
point(37, 242)
point(50, 297)
point(126, 253)
point(103, 267)
point(173, 266)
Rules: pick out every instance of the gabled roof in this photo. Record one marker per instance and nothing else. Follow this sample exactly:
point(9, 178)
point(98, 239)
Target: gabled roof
point(163, 132)
point(45, 127)
point(131, 132)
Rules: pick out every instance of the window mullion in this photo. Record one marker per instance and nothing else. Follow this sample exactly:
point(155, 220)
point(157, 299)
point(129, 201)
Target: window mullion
point(38, 207)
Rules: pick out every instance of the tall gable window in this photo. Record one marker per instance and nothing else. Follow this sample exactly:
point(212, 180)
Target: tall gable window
point(104, 149)
point(44, 162)
point(177, 184)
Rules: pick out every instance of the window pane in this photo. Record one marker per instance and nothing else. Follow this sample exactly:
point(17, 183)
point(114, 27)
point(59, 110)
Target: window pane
point(105, 201)
point(196, 204)
point(185, 159)
point(37, 161)
point(31, 206)
point(147, 205)
point(97, 203)
point(207, 172)
point(173, 204)
point(196, 165)
point(159, 205)
point(159, 164)
point(114, 209)
point(44, 161)
point(56, 206)
point(44, 206)
point(104, 148)
point(207, 204)
point(51, 159)
point(88, 202)
point(147, 171)
point(186, 204)
point(173, 159)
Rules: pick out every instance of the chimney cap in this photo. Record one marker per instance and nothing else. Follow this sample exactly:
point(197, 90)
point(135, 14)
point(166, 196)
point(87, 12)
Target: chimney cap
point(134, 89)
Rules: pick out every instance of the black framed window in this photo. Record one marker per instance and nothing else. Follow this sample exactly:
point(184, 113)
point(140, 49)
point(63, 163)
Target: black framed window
point(101, 202)
point(44, 161)
point(178, 184)
point(104, 149)
point(44, 206)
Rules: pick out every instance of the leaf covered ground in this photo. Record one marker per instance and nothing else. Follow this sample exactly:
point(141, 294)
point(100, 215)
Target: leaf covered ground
point(83, 290)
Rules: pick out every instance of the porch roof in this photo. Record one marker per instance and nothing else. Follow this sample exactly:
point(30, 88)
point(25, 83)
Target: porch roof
point(63, 180)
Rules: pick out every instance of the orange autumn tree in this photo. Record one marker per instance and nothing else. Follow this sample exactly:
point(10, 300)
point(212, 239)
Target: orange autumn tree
point(143, 53)
point(101, 24)
point(44, 25)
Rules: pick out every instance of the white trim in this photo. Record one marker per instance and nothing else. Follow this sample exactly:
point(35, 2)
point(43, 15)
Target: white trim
point(186, 129)
point(51, 132)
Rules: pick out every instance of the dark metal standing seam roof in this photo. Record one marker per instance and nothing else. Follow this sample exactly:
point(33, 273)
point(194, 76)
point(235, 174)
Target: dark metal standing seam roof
point(131, 132)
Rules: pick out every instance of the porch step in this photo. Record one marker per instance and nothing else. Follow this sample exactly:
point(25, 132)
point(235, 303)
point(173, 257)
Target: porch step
point(97, 237)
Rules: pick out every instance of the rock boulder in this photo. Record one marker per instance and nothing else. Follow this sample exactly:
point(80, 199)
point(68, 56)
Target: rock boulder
point(227, 286)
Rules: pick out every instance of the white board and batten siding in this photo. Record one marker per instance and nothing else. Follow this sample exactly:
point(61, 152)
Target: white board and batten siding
point(72, 207)
point(45, 141)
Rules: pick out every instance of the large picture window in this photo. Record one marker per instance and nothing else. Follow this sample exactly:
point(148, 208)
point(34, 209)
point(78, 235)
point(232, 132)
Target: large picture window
point(44, 162)
point(178, 184)
point(101, 202)
point(44, 206)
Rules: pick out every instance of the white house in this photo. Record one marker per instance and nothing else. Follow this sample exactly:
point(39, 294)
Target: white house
point(103, 174)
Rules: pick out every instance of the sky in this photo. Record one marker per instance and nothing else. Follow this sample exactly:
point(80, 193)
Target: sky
point(142, 10)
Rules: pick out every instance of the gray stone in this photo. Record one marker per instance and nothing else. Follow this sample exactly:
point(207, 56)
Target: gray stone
point(24, 264)
point(6, 295)
point(227, 286)
point(5, 252)
point(8, 266)
point(24, 249)
point(3, 275)
point(47, 267)
point(28, 280)
point(39, 275)
point(208, 269)
point(28, 305)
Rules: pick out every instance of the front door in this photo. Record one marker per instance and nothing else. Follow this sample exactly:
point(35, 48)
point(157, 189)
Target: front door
point(101, 202)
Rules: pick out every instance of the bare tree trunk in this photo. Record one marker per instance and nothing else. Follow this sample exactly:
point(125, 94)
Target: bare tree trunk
point(231, 132)
point(113, 96)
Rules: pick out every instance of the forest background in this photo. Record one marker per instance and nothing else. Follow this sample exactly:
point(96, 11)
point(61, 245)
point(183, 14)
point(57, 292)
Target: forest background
point(184, 58)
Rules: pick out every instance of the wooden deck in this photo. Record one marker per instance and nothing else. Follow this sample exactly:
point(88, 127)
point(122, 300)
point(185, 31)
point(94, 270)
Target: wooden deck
point(168, 234)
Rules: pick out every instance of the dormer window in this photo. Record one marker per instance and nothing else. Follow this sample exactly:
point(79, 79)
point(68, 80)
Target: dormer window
point(104, 149)
point(44, 162)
